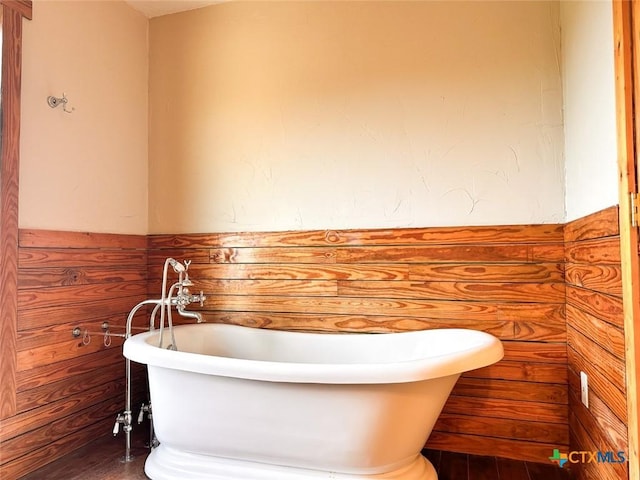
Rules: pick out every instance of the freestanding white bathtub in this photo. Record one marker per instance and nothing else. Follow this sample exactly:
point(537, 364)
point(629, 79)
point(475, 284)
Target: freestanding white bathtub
point(252, 404)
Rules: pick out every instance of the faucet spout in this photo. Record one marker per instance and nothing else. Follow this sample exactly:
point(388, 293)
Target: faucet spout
point(184, 313)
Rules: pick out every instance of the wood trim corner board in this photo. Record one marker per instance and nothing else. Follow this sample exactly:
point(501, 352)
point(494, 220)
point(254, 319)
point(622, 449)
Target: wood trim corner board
point(13, 12)
point(626, 26)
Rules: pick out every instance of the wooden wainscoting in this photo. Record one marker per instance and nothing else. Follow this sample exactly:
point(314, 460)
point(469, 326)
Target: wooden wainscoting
point(69, 393)
point(595, 337)
point(506, 280)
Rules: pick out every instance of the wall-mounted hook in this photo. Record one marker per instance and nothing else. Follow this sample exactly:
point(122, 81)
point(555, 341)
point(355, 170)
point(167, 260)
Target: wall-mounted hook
point(86, 336)
point(53, 102)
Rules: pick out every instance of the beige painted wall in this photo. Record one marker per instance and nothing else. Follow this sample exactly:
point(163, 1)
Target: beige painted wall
point(299, 115)
point(589, 107)
point(85, 171)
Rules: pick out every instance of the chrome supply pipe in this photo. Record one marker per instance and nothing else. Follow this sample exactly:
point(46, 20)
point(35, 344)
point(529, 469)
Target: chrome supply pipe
point(167, 300)
point(125, 418)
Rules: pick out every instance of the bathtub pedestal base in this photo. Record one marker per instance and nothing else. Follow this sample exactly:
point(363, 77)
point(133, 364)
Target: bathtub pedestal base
point(165, 463)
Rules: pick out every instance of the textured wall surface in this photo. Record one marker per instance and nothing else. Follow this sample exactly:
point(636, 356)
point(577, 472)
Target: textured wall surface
point(588, 76)
point(85, 171)
point(302, 115)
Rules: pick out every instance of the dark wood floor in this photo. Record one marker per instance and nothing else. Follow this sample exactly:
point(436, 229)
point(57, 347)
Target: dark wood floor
point(100, 460)
point(459, 466)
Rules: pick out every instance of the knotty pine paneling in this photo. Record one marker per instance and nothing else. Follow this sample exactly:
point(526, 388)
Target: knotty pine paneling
point(506, 280)
point(67, 393)
point(595, 341)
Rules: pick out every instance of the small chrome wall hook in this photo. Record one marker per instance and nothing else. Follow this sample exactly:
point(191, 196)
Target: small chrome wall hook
point(86, 337)
point(54, 102)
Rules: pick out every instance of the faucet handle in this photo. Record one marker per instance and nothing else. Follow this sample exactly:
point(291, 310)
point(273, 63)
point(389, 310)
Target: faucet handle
point(116, 427)
point(144, 409)
point(186, 264)
point(202, 298)
point(141, 414)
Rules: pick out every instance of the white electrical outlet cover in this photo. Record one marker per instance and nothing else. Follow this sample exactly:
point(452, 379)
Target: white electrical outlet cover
point(584, 389)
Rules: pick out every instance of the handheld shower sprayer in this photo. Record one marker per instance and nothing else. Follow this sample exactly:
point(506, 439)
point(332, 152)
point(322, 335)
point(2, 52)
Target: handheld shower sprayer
point(177, 266)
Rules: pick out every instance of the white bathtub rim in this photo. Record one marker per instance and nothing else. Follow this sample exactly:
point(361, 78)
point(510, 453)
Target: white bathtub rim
point(489, 351)
point(165, 463)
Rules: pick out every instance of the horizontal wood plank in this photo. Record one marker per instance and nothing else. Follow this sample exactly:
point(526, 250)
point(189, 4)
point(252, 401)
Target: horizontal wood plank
point(507, 428)
point(258, 271)
point(52, 257)
point(532, 312)
point(58, 371)
point(603, 223)
point(66, 387)
point(61, 277)
point(312, 255)
point(473, 291)
point(548, 331)
point(435, 254)
point(604, 307)
point(79, 313)
point(36, 298)
point(50, 334)
point(405, 236)
point(157, 258)
point(601, 278)
point(354, 306)
point(599, 251)
point(416, 254)
point(263, 287)
point(506, 408)
point(34, 238)
point(490, 272)
point(607, 336)
point(553, 252)
point(487, 446)
point(525, 372)
point(542, 352)
point(355, 323)
point(379, 306)
point(511, 389)
point(58, 352)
